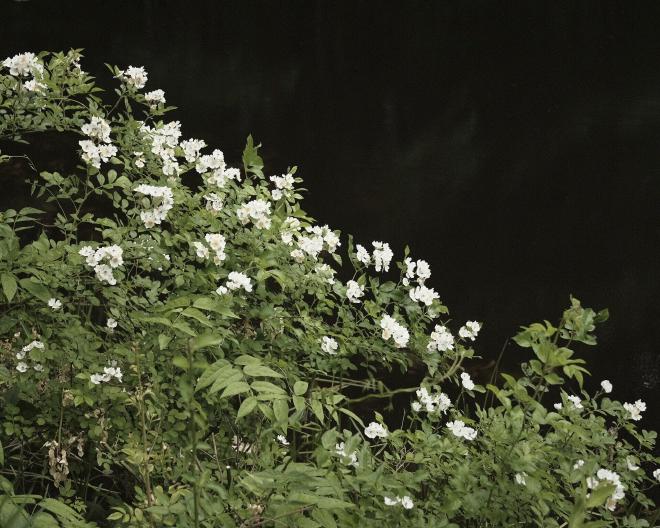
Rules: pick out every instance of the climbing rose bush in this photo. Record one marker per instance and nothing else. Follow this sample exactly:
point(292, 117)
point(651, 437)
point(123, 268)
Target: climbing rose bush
point(182, 345)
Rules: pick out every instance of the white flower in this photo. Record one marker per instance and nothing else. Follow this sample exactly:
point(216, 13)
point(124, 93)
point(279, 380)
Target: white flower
point(23, 64)
point(630, 462)
point(362, 254)
point(201, 250)
point(34, 86)
point(298, 256)
point(98, 128)
point(469, 330)
point(460, 430)
point(329, 345)
point(439, 402)
point(441, 340)
point(391, 502)
point(578, 464)
point(154, 98)
point(521, 478)
point(213, 203)
point(108, 373)
point(407, 502)
point(340, 450)
point(612, 478)
point(558, 406)
point(354, 291)
point(139, 160)
point(162, 200)
point(276, 194)
point(576, 401)
point(103, 260)
point(255, 211)
point(22, 367)
point(606, 385)
point(283, 184)
point(656, 474)
point(374, 430)
point(635, 409)
point(191, 148)
point(423, 294)
point(382, 256)
point(38, 367)
point(398, 332)
point(217, 243)
point(282, 440)
point(55, 304)
point(325, 273)
point(236, 280)
point(111, 323)
point(134, 76)
point(466, 381)
point(420, 268)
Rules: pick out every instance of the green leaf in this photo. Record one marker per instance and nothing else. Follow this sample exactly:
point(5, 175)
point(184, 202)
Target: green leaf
point(300, 388)
point(317, 409)
point(260, 370)
point(246, 407)
point(281, 411)
point(234, 388)
point(9, 285)
point(205, 340)
point(266, 386)
point(180, 362)
point(36, 288)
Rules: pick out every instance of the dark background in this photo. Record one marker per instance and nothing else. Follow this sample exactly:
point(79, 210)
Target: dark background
point(515, 146)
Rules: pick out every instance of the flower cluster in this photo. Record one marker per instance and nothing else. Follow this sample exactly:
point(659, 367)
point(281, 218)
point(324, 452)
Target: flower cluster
point(23, 65)
point(99, 148)
point(164, 139)
point(104, 260)
point(609, 477)
point(113, 371)
point(155, 97)
point(162, 200)
point(423, 294)
point(606, 385)
point(375, 430)
point(635, 409)
point(416, 269)
point(461, 430)
point(405, 501)
point(255, 211)
point(340, 450)
point(431, 403)
point(441, 340)
point(283, 186)
point(466, 381)
point(235, 280)
point(318, 239)
point(395, 330)
point(216, 243)
point(20, 355)
point(329, 345)
point(134, 76)
point(470, 330)
point(382, 255)
point(354, 291)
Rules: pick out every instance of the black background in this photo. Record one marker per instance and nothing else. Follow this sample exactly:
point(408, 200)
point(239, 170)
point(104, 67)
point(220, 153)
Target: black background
point(515, 146)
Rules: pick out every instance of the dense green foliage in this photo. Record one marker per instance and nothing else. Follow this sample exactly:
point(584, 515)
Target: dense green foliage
point(154, 373)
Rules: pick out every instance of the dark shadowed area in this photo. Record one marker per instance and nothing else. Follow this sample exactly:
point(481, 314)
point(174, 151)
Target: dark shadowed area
point(516, 147)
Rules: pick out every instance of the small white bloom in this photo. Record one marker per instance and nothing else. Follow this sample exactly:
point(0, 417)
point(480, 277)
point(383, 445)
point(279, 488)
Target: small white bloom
point(578, 464)
point(329, 345)
point(134, 76)
point(606, 385)
point(423, 294)
point(576, 401)
point(470, 330)
point(111, 323)
point(521, 478)
point(459, 429)
point(395, 330)
point(382, 256)
point(630, 462)
point(656, 474)
point(55, 304)
point(466, 381)
point(22, 367)
point(340, 450)
point(362, 254)
point(282, 440)
point(391, 501)
point(441, 340)
point(374, 430)
point(407, 502)
point(155, 97)
point(635, 409)
point(354, 291)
